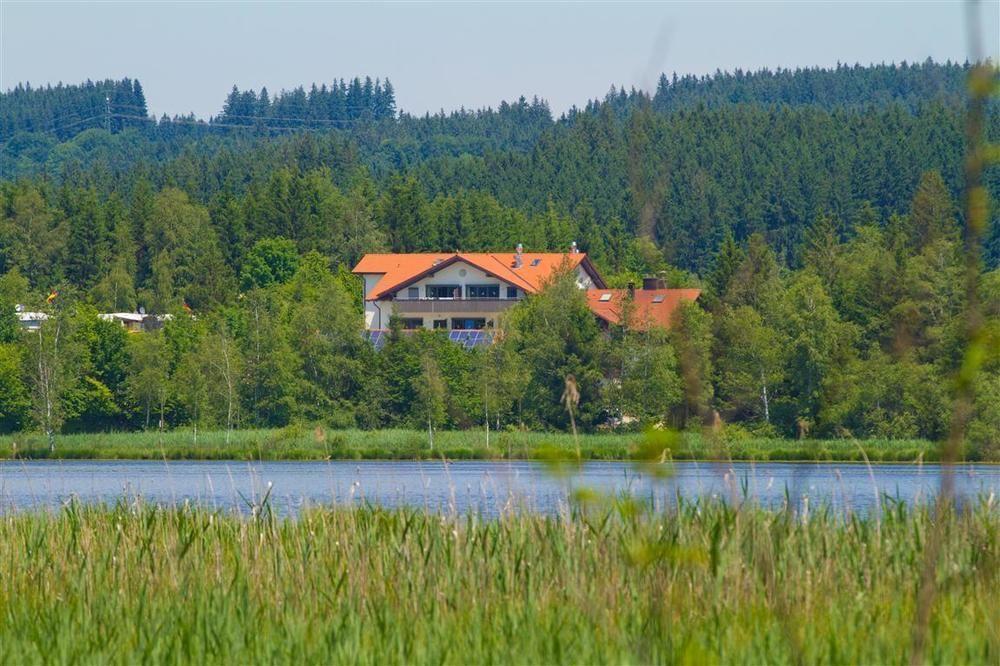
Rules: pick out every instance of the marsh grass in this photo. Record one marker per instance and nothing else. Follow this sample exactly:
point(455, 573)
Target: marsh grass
point(301, 443)
point(618, 584)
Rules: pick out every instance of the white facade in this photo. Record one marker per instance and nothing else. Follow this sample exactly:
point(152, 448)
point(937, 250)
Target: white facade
point(459, 296)
point(31, 321)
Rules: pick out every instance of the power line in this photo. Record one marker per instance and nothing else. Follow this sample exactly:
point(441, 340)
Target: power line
point(303, 120)
point(262, 123)
point(56, 130)
point(202, 123)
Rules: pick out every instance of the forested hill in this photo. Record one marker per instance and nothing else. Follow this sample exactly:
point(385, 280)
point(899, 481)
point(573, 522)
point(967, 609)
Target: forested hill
point(843, 86)
point(67, 110)
point(701, 159)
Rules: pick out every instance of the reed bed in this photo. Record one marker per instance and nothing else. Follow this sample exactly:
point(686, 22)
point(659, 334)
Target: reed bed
point(317, 443)
point(616, 583)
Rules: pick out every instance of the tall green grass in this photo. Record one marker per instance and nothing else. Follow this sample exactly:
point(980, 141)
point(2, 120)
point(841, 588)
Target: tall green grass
point(304, 443)
point(706, 584)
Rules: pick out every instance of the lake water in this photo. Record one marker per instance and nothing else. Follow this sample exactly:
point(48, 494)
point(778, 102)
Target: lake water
point(487, 487)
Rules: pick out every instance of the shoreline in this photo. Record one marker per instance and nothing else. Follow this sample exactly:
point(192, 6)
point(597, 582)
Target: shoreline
point(297, 443)
point(449, 461)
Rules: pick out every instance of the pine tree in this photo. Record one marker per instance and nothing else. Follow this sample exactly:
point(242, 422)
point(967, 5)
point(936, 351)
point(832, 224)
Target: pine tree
point(932, 214)
point(139, 98)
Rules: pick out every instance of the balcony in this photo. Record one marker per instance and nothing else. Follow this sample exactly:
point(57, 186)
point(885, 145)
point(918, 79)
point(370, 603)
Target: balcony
point(452, 305)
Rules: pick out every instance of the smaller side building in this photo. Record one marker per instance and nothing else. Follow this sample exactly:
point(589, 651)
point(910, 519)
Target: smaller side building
point(136, 322)
point(133, 322)
point(651, 306)
point(29, 321)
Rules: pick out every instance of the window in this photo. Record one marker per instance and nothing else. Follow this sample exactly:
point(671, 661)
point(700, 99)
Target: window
point(535, 262)
point(605, 298)
point(483, 291)
point(413, 292)
point(413, 323)
point(658, 298)
point(440, 323)
point(511, 292)
point(443, 291)
point(468, 324)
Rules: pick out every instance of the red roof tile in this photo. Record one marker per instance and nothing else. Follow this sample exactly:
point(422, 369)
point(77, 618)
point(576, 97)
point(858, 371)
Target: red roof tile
point(399, 270)
point(653, 307)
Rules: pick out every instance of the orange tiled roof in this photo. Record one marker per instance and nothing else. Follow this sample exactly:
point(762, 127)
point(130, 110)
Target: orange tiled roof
point(399, 270)
point(653, 307)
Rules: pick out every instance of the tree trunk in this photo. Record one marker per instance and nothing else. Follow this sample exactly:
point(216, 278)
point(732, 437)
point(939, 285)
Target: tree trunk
point(486, 406)
point(763, 393)
point(576, 440)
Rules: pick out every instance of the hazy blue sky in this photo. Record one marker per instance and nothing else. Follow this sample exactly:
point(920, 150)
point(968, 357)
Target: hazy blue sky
point(189, 54)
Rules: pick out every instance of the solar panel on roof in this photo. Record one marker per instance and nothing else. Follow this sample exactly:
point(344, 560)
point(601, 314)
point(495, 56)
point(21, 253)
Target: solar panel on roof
point(605, 298)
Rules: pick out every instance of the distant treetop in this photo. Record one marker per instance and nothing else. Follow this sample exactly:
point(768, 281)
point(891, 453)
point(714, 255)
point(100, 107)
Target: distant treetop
point(63, 111)
point(338, 105)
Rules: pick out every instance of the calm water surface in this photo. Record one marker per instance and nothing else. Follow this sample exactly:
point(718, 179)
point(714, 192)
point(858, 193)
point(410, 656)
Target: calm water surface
point(488, 487)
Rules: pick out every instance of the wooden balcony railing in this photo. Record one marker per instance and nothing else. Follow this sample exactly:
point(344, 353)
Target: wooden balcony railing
point(452, 305)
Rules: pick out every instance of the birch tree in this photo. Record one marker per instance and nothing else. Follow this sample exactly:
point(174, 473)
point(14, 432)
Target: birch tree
point(431, 393)
point(47, 376)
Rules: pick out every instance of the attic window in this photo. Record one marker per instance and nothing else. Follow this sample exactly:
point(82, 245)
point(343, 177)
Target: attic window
point(605, 298)
point(658, 298)
point(535, 262)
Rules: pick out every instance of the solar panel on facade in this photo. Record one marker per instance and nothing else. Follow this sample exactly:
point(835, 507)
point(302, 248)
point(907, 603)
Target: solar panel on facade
point(469, 339)
point(377, 339)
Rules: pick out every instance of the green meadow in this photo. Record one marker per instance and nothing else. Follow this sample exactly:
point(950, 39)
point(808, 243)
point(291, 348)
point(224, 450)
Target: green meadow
point(306, 443)
point(614, 583)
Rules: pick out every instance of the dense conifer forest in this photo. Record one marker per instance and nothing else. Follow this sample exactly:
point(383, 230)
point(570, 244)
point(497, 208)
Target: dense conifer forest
point(817, 209)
